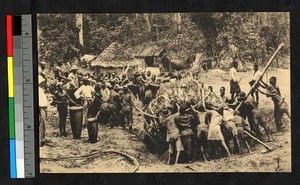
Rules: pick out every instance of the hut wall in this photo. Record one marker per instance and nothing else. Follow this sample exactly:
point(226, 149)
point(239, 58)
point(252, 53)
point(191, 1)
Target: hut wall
point(141, 63)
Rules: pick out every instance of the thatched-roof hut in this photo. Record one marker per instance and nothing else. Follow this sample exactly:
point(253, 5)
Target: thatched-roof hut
point(173, 61)
point(148, 54)
point(114, 59)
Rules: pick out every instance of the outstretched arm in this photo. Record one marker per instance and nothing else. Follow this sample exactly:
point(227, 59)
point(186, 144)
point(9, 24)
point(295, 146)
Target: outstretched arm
point(263, 84)
point(265, 93)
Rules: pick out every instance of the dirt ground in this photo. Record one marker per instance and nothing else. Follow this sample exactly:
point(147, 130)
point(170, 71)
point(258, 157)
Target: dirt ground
point(279, 160)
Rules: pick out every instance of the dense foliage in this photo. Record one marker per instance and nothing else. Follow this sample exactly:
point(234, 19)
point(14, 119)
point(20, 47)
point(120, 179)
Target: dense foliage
point(245, 36)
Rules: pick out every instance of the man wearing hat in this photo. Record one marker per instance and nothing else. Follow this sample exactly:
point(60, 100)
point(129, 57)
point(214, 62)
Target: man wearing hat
point(73, 75)
point(250, 110)
point(280, 106)
point(85, 92)
point(43, 104)
point(173, 134)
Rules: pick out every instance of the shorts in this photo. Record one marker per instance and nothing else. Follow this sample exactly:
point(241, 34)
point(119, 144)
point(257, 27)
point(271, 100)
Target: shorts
point(214, 133)
point(178, 145)
point(172, 135)
point(234, 87)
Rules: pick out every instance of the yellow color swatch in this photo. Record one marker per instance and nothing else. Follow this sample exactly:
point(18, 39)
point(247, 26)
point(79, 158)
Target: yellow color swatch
point(10, 72)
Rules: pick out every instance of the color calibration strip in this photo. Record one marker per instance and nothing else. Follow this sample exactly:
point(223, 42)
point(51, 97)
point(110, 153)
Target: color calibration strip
point(20, 92)
point(11, 107)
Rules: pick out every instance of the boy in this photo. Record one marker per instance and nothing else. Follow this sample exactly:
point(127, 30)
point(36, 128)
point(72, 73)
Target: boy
point(234, 83)
point(280, 106)
point(222, 95)
point(256, 75)
point(173, 134)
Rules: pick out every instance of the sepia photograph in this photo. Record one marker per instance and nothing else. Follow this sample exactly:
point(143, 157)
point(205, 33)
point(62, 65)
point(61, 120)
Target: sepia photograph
point(164, 92)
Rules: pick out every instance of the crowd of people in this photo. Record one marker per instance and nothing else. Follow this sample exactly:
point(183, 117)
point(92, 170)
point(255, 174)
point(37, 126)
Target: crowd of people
point(108, 99)
point(209, 129)
point(107, 96)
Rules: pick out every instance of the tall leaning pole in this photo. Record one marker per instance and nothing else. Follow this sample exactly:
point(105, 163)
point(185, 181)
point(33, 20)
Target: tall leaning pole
point(263, 72)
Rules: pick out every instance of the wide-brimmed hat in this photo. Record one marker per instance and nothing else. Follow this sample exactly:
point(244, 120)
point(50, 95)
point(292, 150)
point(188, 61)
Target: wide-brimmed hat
point(242, 96)
point(85, 79)
point(74, 68)
point(43, 63)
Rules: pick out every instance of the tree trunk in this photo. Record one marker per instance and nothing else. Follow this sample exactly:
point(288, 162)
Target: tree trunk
point(79, 25)
point(177, 17)
point(148, 17)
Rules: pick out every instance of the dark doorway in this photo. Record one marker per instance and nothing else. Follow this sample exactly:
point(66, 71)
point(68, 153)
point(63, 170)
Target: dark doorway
point(149, 61)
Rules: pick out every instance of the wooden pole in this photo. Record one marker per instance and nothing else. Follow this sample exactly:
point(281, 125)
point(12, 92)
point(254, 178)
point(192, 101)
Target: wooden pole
point(262, 74)
point(259, 141)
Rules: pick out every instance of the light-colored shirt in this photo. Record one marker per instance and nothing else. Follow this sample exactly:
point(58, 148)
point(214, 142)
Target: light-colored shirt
point(85, 91)
point(105, 94)
point(256, 75)
point(43, 101)
point(74, 78)
point(233, 74)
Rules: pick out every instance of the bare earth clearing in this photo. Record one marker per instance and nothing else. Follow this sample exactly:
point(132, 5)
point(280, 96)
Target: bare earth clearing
point(120, 140)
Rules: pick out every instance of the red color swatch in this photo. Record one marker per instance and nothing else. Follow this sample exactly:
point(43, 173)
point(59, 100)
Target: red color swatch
point(9, 37)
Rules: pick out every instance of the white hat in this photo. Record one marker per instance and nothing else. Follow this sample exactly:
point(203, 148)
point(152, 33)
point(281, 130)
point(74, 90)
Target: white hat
point(74, 68)
point(41, 79)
